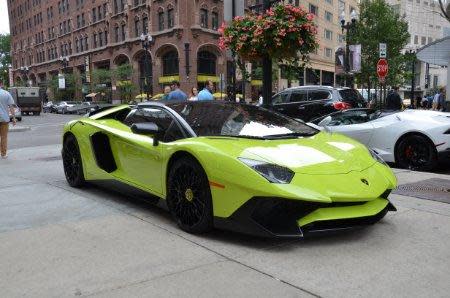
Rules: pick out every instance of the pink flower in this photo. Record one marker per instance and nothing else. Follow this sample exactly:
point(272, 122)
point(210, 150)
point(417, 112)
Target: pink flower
point(310, 17)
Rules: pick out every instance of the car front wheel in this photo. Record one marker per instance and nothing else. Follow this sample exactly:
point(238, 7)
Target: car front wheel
point(416, 152)
point(189, 196)
point(73, 166)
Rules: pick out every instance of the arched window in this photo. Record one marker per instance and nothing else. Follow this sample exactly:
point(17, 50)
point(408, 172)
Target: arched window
point(137, 27)
point(170, 63)
point(206, 63)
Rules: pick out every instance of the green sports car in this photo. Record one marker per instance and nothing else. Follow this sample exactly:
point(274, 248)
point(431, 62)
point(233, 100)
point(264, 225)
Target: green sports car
point(231, 166)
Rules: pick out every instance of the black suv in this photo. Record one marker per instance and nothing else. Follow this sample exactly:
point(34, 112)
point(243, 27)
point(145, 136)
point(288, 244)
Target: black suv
point(309, 102)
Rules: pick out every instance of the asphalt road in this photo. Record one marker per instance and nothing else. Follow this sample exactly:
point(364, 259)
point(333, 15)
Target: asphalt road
point(57, 241)
point(45, 129)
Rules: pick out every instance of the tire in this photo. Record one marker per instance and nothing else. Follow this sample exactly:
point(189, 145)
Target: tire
point(189, 196)
point(73, 164)
point(416, 152)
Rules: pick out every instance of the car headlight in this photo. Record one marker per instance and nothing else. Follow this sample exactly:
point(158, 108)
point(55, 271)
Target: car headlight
point(377, 157)
point(273, 173)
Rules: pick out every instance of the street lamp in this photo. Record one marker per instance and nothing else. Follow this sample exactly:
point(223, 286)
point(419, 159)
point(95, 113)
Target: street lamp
point(147, 40)
point(24, 70)
point(413, 70)
point(348, 27)
point(64, 62)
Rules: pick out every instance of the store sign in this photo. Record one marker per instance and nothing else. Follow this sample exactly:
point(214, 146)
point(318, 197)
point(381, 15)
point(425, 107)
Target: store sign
point(61, 81)
point(87, 69)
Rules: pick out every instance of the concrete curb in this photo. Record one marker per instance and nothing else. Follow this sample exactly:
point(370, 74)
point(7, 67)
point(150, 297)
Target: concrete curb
point(18, 128)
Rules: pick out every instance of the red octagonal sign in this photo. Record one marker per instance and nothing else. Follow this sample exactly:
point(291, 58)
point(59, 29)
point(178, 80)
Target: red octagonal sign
point(382, 68)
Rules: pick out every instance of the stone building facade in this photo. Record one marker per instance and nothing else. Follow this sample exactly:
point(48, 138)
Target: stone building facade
point(103, 34)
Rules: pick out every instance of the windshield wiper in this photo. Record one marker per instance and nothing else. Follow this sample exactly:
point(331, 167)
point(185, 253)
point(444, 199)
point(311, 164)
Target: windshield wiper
point(292, 134)
point(245, 137)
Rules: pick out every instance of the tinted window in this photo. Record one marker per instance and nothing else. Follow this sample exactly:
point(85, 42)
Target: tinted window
point(350, 95)
point(228, 119)
point(298, 95)
point(318, 95)
point(280, 98)
point(170, 128)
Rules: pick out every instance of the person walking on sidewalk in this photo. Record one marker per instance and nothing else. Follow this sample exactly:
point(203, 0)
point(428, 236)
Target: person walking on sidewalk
point(206, 93)
point(6, 105)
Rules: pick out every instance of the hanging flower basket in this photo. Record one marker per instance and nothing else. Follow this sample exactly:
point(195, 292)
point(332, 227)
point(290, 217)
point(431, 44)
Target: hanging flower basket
point(282, 32)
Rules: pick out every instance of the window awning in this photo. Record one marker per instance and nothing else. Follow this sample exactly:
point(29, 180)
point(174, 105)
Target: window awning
point(168, 79)
point(205, 78)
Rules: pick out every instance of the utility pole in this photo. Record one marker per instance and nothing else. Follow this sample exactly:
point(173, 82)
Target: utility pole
point(267, 70)
point(413, 80)
point(233, 15)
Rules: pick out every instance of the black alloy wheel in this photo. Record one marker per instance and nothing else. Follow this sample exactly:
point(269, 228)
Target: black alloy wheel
point(73, 166)
point(416, 152)
point(189, 196)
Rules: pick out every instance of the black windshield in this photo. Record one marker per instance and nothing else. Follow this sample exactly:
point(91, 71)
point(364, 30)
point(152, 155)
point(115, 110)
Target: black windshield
point(230, 119)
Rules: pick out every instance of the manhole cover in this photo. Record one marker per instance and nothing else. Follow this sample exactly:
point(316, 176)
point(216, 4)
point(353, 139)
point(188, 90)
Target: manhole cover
point(430, 189)
point(50, 158)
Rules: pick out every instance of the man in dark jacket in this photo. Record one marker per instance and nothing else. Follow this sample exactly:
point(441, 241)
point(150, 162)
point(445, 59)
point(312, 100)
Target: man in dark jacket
point(393, 100)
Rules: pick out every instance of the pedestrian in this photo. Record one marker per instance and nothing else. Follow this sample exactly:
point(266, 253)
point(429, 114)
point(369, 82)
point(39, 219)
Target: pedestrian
point(167, 90)
point(418, 102)
point(206, 93)
point(435, 101)
point(194, 94)
point(424, 102)
point(6, 107)
point(260, 99)
point(442, 104)
point(393, 100)
point(176, 93)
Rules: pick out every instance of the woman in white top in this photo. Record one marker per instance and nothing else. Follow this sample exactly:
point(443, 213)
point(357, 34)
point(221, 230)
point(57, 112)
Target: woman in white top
point(194, 93)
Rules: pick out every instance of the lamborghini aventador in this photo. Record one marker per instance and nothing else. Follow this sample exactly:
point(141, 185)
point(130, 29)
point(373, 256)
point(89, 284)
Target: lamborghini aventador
point(231, 166)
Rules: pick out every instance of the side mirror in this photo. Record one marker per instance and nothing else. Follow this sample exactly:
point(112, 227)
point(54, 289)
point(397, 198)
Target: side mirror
point(147, 128)
point(325, 122)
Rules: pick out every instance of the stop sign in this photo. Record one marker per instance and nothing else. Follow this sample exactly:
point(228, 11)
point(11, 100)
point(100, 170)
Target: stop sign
point(382, 68)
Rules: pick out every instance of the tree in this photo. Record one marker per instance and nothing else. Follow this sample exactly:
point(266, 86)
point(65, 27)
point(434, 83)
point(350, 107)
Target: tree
point(124, 85)
point(101, 79)
point(379, 23)
point(5, 57)
point(66, 94)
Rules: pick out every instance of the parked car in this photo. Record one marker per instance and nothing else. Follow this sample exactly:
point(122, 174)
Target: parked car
point(17, 113)
point(308, 102)
point(413, 139)
point(63, 106)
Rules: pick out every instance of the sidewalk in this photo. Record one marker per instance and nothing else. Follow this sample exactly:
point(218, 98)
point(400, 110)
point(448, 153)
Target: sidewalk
point(59, 241)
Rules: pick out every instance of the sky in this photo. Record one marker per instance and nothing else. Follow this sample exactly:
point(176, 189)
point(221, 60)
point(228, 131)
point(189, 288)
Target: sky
point(4, 22)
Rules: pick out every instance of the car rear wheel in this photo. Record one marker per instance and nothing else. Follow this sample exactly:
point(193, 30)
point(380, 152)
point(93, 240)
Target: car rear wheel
point(73, 166)
point(416, 152)
point(189, 196)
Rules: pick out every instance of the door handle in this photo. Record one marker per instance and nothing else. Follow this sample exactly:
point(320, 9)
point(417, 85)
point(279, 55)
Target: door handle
point(301, 107)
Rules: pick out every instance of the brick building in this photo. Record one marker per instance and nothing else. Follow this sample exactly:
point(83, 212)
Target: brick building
point(103, 34)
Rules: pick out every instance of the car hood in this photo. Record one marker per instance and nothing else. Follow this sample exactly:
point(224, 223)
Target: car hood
point(324, 153)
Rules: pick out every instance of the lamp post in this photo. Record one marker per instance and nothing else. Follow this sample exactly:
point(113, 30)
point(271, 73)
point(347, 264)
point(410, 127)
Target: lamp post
point(147, 40)
point(64, 63)
point(348, 27)
point(24, 70)
point(413, 70)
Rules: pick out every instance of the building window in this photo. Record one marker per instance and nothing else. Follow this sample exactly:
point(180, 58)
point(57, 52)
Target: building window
point(78, 21)
point(94, 40)
point(204, 18)
point(328, 34)
point(328, 52)
point(145, 25)
point(116, 34)
point(106, 37)
point(77, 46)
point(206, 63)
point(328, 16)
point(123, 32)
point(341, 38)
point(136, 2)
point(329, 1)
point(313, 9)
point(82, 20)
point(170, 63)
point(215, 20)
point(161, 20)
point(86, 43)
point(100, 39)
point(94, 14)
point(430, 39)
point(416, 39)
point(137, 26)
point(170, 18)
point(423, 40)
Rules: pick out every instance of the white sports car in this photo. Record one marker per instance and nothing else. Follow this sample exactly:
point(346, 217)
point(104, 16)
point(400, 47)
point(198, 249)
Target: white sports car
point(413, 139)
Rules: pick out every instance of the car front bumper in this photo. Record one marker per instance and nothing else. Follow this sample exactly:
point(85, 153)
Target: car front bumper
point(278, 217)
